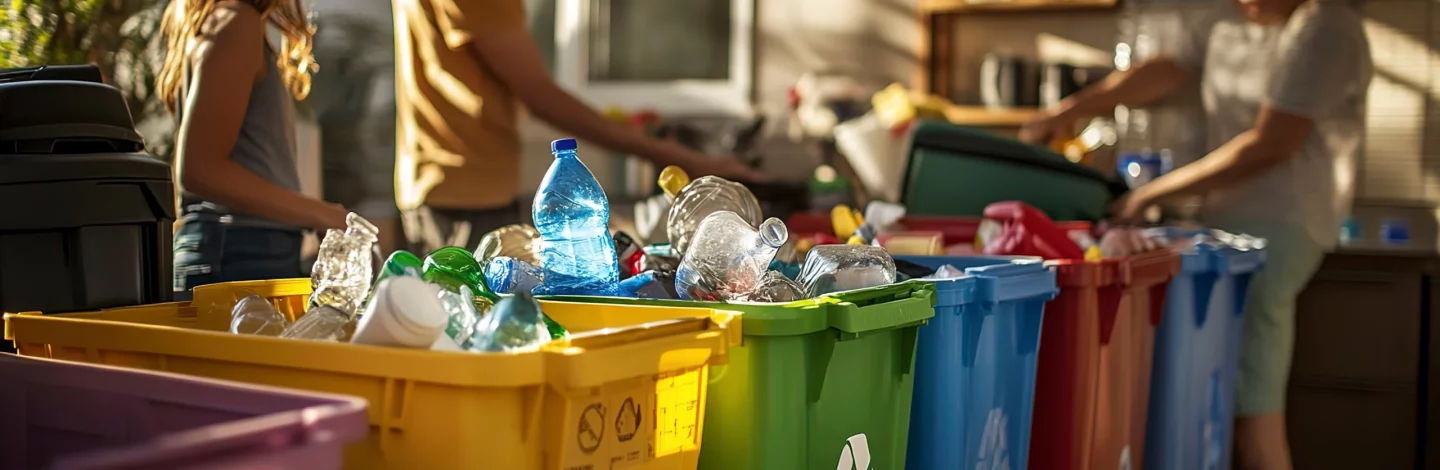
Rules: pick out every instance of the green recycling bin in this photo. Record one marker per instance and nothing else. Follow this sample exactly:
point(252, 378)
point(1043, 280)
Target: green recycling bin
point(818, 383)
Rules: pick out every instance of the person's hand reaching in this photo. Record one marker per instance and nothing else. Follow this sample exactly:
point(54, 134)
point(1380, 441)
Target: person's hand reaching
point(1043, 129)
point(727, 167)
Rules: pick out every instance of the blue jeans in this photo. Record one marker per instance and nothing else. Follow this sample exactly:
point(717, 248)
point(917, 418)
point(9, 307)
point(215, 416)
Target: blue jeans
point(208, 249)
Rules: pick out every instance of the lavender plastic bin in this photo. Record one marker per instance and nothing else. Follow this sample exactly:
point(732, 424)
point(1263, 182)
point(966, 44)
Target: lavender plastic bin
point(71, 416)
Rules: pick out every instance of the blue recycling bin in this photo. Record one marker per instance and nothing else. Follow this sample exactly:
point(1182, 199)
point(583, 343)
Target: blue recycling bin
point(1197, 352)
point(975, 364)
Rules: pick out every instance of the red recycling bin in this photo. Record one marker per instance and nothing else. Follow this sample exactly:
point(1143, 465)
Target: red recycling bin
point(1093, 379)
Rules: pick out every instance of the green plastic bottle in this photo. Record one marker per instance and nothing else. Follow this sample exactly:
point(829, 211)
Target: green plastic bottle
point(556, 331)
point(452, 267)
point(400, 263)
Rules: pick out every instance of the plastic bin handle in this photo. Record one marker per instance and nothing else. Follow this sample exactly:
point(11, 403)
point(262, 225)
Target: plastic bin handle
point(9, 333)
point(882, 308)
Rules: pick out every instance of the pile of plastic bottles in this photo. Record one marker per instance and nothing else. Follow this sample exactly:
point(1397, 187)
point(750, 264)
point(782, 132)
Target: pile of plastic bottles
point(441, 302)
point(482, 301)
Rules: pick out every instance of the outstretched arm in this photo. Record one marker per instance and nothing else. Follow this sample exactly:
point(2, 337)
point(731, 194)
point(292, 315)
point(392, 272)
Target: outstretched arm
point(1144, 84)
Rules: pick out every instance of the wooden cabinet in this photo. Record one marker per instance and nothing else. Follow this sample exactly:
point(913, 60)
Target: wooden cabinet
point(1360, 365)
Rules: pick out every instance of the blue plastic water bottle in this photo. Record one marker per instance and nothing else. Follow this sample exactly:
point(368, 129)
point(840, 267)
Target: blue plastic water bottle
point(573, 218)
point(506, 275)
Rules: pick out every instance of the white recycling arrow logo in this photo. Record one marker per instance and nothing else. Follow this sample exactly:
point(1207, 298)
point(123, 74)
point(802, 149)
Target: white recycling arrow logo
point(856, 454)
point(994, 452)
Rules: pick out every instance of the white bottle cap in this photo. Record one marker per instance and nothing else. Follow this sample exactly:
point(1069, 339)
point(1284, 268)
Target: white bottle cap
point(416, 306)
point(405, 312)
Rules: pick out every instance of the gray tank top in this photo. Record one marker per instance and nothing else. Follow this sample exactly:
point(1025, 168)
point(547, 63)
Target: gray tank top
point(266, 146)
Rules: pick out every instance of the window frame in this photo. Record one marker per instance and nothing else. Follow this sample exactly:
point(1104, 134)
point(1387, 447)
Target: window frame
point(731, 96)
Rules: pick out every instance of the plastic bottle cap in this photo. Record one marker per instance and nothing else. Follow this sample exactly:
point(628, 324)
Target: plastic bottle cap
point(563, 145)
point(415, 305)
point(672, 180)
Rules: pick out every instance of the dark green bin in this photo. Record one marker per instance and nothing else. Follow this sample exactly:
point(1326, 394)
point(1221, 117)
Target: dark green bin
point(958, 170)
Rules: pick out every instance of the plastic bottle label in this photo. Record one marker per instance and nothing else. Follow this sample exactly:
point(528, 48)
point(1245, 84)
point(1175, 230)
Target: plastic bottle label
point(856, 454)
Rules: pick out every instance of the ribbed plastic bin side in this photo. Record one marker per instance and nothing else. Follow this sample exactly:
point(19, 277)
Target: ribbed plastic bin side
point(1095, 361)
point(975, 365)
point(1192, 397)
point(820, 383)
point(633, 396)
point(72, 416)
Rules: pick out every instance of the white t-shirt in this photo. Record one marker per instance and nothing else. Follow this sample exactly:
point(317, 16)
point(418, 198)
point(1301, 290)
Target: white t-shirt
point(1316, 65)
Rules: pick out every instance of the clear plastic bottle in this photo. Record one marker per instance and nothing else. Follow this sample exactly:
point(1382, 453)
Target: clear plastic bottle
point(517, 241)
point(254, 315)
point(516, 324)
point(775, 287)
point(324, 323)
point(728, 257)
point(405, 312)
point(462, 315)
point(341, 275)
point(696, 200)
point(573, 218)
point(506, 275)
point(836, 268)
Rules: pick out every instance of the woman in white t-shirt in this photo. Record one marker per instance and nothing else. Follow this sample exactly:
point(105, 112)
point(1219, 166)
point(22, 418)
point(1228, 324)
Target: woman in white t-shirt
point(1284, 85)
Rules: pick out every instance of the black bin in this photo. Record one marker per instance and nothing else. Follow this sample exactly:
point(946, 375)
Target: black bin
point(86, 216)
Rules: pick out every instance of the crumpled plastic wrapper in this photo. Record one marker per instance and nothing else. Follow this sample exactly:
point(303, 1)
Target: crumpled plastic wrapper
point(946, 272)
point(836, 268)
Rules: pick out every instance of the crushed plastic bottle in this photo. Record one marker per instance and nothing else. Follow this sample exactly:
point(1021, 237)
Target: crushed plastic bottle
point(696, 200)
point(400, 263)
point(324, 323)
point(341, 275)
point(453, 268)
point(506, 275)
point(775, 287)
point(405, 312)
point(462, 315)
point(516, 324)
point(254, 315)
point(836, 268)
point(946, 272)
point(573, 218)
point(727, 257)
point(517, 241)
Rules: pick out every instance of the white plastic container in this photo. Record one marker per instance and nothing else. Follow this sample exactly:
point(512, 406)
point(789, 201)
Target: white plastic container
point(406, 312)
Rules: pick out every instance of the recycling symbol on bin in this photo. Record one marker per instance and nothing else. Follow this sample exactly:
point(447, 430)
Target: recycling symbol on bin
point(994, 451)
point(591, 429)
point(627, 420)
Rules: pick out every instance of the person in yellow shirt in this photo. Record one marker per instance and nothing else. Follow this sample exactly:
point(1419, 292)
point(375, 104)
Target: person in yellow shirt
point(463, 69)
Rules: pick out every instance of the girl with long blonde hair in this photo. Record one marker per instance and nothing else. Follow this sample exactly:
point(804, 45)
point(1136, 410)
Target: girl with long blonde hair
point(232, 92)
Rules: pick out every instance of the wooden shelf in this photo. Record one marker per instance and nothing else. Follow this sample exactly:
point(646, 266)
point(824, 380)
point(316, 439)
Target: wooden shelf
point(980, 116)
point(938, 7)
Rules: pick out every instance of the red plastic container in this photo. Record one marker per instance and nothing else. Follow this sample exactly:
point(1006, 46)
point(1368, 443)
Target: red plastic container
point(71, 416)
point(1093, 379)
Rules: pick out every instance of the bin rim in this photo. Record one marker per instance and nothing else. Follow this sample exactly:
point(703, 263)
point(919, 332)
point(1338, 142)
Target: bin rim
point(452, 368)
point(891, 306)
point(1001, 279)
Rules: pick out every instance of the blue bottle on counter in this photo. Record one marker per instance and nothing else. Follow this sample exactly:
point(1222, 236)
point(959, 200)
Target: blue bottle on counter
point(573, 218)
